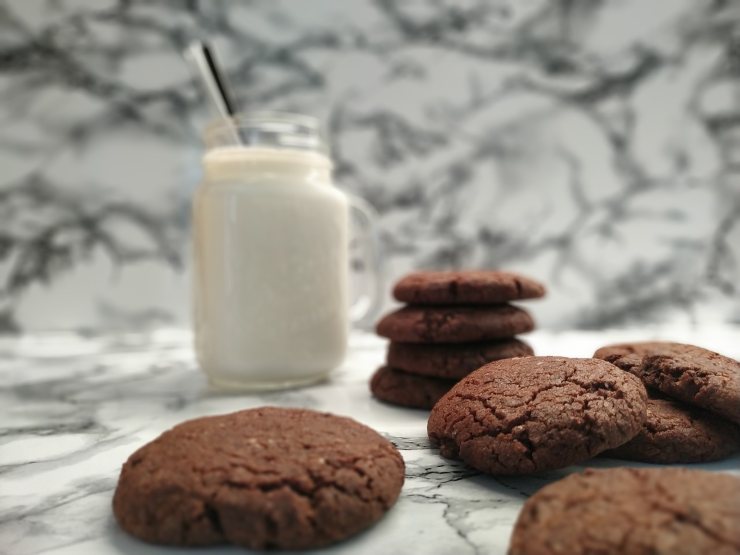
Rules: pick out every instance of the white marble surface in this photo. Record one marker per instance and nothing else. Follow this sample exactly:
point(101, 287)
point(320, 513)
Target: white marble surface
point(73, 408)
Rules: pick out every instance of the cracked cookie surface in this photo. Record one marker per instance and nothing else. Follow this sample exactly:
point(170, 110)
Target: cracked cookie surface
point(632, 511)
point(408, 390)
point(691, 374)
point(678, 433)
point(452, 361)
point(466, 287)
point(458, 324)
point(262, 478)
point(524, 415)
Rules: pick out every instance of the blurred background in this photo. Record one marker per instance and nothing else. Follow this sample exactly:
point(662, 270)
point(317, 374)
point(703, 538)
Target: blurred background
point(592, 144)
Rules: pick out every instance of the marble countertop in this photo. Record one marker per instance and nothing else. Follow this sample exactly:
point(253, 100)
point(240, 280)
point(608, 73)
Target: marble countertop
point(72, 409)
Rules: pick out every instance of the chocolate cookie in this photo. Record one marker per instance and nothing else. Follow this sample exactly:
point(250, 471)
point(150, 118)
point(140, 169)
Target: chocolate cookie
point(523, 415)
point(685, 372)
point(677, 433)
point(407, 390)
point(262, 478)
point(452, 361)
point(458, 324)
point(632, 511)
point(466, 287)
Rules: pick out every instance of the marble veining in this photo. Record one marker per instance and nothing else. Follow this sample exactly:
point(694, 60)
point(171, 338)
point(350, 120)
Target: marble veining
point(74, 407)
point(590, 144)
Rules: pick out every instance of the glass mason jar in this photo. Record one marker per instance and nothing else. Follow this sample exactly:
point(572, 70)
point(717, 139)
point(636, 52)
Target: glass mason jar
point(271, 251)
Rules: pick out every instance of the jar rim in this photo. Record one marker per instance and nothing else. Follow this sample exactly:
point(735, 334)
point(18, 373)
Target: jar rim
point(280, 129)
point(262, 116)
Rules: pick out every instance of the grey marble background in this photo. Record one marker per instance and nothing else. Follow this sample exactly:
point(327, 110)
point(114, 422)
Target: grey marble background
point(592, 144)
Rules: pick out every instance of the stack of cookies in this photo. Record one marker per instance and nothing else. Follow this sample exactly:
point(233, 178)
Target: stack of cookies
point(527, 415)
point(693, 405)
point(454, 322)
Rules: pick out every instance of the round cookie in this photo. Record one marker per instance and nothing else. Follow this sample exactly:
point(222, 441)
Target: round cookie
point(466, 287)
point(676, 433)
point(685, 372)
point(266, 478)
point(632, 511)
point(452, 361)
point(524, 415)
point(454, 324)
point(407, 390)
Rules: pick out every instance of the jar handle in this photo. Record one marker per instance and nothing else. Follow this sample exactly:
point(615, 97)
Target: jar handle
point(366, 307)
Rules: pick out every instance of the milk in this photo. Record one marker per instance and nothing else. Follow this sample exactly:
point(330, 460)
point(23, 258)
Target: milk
point(270, 276)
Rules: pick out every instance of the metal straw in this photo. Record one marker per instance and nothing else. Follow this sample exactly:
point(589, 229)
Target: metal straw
point(203, 59)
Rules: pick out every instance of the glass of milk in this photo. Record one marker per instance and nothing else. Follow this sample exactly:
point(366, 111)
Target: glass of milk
point(271, 252)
